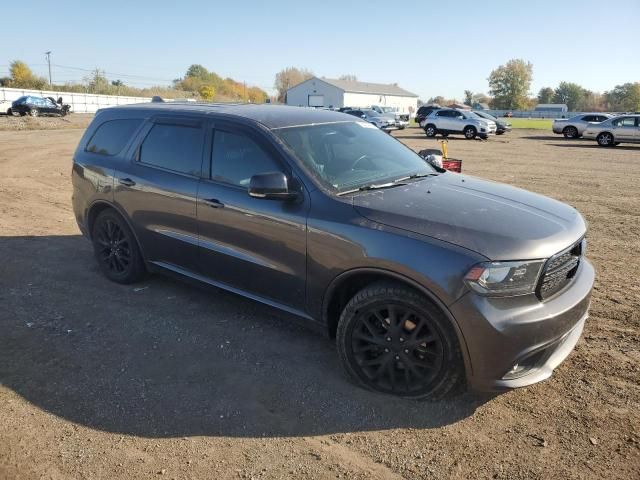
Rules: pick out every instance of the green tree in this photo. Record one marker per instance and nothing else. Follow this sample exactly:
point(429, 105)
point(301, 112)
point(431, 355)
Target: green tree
point(97, 82)
point(624, 98)
point(545, 95)
point(287, 78)
point(468, 97)
point(571, 94)
point(509, 84)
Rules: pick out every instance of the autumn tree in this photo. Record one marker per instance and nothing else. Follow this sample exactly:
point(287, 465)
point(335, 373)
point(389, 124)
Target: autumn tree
point(23, 77)
point(510, 83)
point(207, 92)
point(287, 78)
point(545, 95)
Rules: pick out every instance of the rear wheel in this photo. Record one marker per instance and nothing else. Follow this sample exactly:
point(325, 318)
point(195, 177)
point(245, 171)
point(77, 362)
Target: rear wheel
point(470, 132)
point(116, 249)
point(605, 139)
point(570, 132)
point(430, 130)
point(393, 340)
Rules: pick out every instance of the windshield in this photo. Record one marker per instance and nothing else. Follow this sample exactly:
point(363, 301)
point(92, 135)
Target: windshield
point(369, 112)
point(351, 155)
point(387, 109)
point(486, 115)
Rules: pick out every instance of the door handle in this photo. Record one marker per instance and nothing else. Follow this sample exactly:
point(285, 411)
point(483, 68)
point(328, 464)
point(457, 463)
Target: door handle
point(213, 202)
point(126, 182)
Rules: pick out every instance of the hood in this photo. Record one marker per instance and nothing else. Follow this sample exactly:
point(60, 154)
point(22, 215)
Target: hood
point(496, 220)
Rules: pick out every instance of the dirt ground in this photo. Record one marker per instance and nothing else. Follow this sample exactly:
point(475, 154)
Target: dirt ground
point(167, 380)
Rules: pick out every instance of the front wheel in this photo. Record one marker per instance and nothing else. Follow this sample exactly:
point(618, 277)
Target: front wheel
point(470, 133)
point(605, 139)
point(430, 131)
point(116, 249)
point(393, 340)
point(34, 112)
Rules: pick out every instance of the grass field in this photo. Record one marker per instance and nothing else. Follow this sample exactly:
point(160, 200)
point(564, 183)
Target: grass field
point(536, 123)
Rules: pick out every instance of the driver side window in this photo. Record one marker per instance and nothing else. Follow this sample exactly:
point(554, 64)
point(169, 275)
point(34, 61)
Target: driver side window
point(235, 158)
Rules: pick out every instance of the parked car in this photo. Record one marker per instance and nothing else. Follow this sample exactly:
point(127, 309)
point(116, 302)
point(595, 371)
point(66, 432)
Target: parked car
point(371, 116)
point(35, 106)
point(401, 119)
point(423, 112)
point(5, 106)
point(446, 121)
point(616, 130)
point(574, 127)
point(427, 279)
point(501, 126)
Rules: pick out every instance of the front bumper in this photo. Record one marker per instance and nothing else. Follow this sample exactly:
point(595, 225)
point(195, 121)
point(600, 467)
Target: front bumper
point(502, 332)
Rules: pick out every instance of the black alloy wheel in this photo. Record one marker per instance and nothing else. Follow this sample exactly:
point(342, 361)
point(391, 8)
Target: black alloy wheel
point(116, 249)
point(394, 341)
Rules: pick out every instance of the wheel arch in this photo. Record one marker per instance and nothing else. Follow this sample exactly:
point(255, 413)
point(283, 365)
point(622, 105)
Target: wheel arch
point(343, 287)
point(101, 205)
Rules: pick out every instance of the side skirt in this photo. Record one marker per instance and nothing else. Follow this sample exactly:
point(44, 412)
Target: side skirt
point(165, 267)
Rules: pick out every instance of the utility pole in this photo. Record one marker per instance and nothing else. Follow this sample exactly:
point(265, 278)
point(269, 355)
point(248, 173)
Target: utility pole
point(48, 54)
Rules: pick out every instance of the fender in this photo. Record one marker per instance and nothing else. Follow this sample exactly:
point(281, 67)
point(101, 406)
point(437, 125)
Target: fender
point(406, 280)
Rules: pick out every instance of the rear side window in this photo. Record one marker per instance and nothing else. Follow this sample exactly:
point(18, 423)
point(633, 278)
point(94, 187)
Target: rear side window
point(236, 158)
point(174, 147)
point(111, 137)
point(625, 122)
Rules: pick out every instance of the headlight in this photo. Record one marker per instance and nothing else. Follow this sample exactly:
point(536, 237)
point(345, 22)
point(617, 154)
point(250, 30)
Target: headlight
point(504, 278)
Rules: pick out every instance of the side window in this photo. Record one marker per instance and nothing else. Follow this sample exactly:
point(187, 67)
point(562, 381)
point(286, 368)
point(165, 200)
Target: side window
point(236, 158)
point(441, 113)
point(625, 122)
point(174, 147)
point(111, 137)
point(589, 118)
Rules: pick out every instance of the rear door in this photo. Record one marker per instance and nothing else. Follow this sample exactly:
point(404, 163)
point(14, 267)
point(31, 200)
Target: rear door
point(625, 129)
point(252, 244)
point(158, 186)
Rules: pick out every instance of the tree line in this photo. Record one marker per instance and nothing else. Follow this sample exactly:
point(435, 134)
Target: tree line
point(509, 86)
point(197, 83)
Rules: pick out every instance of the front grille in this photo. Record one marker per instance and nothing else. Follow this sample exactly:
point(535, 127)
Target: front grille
point(559, 271)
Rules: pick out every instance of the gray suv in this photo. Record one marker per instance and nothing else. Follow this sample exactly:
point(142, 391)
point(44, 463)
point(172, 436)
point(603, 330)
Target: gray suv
point(427, 279)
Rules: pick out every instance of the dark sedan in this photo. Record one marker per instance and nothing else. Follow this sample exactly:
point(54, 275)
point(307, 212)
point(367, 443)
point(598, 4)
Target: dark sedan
point(36, 106)
point(501, 125)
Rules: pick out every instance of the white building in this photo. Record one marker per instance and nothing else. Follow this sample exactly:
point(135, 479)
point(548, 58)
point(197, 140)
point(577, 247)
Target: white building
point(327, 92)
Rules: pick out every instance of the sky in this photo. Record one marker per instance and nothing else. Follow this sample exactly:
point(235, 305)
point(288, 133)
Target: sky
point(427, 47)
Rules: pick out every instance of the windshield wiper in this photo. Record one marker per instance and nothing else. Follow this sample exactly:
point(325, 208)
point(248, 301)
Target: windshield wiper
point(373, 186)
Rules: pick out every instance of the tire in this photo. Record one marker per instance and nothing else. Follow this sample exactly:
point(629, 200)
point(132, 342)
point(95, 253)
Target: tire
point(570, 132)
point(605, 139)
point(34, 112)
point(9, 112)
point(423, 358)
point(116, 248)
point(430, 130)
point(470, 132)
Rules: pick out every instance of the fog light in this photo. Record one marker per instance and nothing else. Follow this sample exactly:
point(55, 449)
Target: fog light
point(516, 371)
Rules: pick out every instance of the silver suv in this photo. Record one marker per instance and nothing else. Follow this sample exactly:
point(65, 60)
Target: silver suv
point(447, 121)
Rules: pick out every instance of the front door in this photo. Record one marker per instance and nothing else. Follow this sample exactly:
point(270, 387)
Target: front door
point(251, 244)
point(158, 187)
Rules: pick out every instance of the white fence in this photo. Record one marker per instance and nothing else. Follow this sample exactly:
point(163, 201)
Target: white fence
point(80, 102)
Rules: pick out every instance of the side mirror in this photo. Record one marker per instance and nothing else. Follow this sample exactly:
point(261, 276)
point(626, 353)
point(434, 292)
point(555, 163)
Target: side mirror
point(271, 186)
